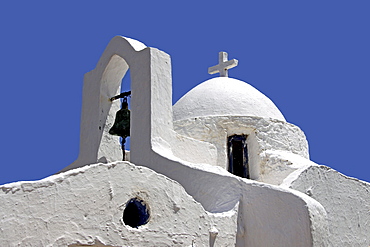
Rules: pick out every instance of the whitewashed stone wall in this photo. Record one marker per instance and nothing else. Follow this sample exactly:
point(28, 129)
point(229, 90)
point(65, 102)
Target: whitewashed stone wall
point(263, 135)
point(346, 200)
point(85, 207)
point(266, 211)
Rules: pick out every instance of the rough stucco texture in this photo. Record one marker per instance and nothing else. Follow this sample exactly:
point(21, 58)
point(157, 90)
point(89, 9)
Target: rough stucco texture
point(85, 207)
point(267, 134)
point(346, 201)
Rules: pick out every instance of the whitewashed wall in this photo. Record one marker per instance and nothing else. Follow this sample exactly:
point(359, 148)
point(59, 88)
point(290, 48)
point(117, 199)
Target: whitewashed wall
point(263, 135)
point(346, 200)
point(85, 206)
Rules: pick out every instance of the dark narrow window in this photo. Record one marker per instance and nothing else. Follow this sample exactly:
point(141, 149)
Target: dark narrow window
point(238, 155)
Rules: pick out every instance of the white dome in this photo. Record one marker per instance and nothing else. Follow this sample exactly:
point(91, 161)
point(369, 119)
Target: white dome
point(223, 96)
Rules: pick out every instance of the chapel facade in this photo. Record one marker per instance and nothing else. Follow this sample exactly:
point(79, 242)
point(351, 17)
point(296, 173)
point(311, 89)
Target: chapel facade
point(202, 172)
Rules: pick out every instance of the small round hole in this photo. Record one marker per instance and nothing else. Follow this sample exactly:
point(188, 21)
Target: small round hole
point(136, 213)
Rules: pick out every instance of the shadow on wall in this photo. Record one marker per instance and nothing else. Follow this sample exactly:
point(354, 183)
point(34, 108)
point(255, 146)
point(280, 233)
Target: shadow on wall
point(97, 243)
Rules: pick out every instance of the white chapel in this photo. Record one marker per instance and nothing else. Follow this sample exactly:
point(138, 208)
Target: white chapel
point(202, 172)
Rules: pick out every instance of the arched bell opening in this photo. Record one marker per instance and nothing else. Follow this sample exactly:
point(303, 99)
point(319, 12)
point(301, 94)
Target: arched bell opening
point(121, 125)
point(114, 80)
point(98, 111)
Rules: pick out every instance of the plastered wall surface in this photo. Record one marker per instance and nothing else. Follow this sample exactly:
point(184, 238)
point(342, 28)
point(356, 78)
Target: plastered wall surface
point(263, 135)
point(346, 200)
point(219, 191)
point(85, 206)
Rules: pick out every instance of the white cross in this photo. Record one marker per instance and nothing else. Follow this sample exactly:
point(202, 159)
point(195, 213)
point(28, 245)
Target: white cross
point(223, 65)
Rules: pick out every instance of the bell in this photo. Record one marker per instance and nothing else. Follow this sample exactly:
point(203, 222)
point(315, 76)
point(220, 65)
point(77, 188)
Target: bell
point(121, 126)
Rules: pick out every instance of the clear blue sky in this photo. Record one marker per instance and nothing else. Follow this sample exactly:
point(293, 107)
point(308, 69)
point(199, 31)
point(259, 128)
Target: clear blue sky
point(312, 58)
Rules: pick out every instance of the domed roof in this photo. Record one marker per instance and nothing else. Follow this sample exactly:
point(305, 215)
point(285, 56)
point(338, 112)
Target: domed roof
point(224, 96)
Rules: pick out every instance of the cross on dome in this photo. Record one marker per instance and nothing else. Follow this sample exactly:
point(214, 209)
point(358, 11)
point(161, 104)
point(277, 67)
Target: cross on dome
point(223, 65)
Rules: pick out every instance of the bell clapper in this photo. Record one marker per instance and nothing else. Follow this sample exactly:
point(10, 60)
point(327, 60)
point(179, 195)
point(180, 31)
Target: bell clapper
point(123, 148)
